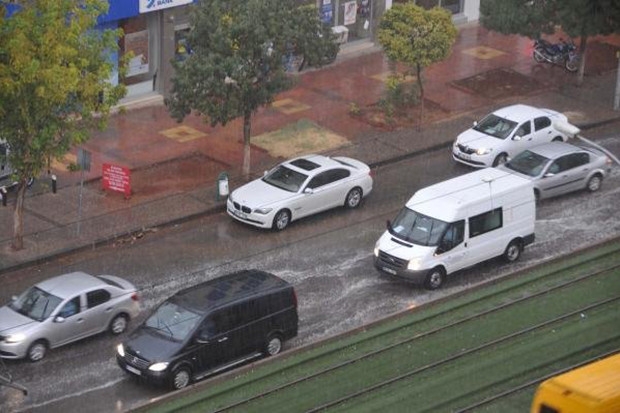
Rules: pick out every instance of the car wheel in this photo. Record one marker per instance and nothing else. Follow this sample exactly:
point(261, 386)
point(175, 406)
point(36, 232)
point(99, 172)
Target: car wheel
point(281, 220)
point(594, 183)
point(500, 159)
point(537, 54)
point(557, 139)
point(435, 278)
point(513, 251)
point(118, 324)
point(273, 345)
point(354, 198)
point(37, 351)
point(181, 377)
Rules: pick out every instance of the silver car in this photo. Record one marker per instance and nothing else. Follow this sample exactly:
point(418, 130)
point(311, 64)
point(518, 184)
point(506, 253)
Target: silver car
point(557, 168)
point(64, 309)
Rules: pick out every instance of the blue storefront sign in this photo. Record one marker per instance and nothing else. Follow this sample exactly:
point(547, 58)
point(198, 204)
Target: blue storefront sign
point(152, 5)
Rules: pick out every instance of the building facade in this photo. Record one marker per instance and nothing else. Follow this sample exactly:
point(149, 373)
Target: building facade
point(155, 32)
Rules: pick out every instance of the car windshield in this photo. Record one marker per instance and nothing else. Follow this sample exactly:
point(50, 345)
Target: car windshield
point(417, 228)
point(495, 126)
point(173, 321)
point(35, 303)
point(527, 163)
point(285, 178)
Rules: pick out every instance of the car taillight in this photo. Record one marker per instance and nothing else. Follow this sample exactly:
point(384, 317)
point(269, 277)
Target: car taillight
point(371, 173)
point(608, 161)
point(135, 297)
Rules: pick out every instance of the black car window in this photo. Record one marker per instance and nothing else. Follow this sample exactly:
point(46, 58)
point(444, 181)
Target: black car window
point(541, 123)
point(560, 165)
point(454, 236)
point(578, 159)
point(328, 177)
point(70, 308)
point(524, 130)
point(486, 222)
point(97, 297)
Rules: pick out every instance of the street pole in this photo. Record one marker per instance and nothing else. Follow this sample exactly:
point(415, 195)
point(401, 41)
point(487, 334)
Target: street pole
point(617, 96)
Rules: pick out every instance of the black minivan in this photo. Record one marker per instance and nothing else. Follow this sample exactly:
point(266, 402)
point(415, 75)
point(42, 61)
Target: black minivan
point(211, 327)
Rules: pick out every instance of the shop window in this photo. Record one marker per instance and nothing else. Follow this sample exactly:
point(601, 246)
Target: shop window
point(136, 41)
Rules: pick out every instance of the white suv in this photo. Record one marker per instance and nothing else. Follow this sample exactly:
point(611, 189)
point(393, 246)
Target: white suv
point(505, 133)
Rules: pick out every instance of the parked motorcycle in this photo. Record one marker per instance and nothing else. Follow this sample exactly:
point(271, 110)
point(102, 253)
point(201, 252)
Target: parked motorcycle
point(562, 53)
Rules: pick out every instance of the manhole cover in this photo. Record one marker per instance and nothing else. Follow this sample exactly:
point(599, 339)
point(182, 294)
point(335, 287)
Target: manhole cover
point(499, 83)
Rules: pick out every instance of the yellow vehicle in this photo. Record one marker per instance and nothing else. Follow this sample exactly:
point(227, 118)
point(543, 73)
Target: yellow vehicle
point(593, 388)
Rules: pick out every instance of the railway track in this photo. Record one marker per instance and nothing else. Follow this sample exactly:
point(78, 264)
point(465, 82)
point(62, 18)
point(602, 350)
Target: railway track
point(460, 354)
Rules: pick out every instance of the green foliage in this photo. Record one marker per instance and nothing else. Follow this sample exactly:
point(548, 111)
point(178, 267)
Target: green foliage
point(54, 83)
point(531, 18)
point(238, 50)
point(53, 71)
point(525, 17)
point(354, 109)
point(414, 36)
point(400, 93)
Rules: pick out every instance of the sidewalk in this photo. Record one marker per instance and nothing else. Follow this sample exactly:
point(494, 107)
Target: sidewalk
point(174, 167)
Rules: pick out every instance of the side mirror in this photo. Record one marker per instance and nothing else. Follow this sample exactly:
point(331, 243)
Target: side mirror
point(14, 298)
point(59, 319)
point(548, 175)
point(308, 191)
point(475, 123)
point(516, 138)
point(388, 225)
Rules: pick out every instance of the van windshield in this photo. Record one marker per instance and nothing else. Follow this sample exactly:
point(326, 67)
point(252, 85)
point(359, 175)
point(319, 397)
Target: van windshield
point(417, 228)
point(173, 321)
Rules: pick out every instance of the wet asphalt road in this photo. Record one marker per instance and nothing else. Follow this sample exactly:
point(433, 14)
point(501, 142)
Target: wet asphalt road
point(327, 257)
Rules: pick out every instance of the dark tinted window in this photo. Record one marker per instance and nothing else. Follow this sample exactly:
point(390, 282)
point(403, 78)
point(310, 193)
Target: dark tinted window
point(524, 130)
point(305, 164)
point(70, 308)
point(486, 222)
point(97, 297)
point(328, 177)
point(541, 123)
point(578, 159)
point(454, 236)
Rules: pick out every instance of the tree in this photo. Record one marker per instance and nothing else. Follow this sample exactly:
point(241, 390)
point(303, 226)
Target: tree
point(236, 65)
point(54, 84)
point(531, 18)
point(416, 37)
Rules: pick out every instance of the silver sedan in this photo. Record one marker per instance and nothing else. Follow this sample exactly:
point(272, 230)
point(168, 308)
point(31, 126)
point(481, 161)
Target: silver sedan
point(557, 168)
point(64, 309)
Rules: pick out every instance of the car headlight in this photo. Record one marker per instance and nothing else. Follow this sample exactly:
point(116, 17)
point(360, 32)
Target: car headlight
point(263, 211)
point(15, 338)
point(414, 265)
point(376, 252)
point(120, 350)
point(158, 366)
point(483, 151)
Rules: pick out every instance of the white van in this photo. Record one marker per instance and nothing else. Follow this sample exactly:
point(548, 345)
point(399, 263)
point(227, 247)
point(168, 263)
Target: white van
point(456, 224)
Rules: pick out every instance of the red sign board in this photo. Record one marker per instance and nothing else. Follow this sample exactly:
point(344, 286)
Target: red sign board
point(116, 178)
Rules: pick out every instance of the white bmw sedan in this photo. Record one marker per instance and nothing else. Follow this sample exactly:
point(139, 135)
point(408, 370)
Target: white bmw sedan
point(298, 188)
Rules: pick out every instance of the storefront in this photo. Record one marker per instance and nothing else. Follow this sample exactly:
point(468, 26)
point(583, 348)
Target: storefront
point(153, 32)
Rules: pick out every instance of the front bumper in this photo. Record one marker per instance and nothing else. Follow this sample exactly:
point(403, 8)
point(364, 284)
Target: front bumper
point(160, 378)
point(257, 220)
point(474, 160)
point(401, 273)
point(14, 350)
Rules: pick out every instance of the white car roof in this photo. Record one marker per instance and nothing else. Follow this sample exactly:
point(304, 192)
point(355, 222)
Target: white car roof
point(520, 113)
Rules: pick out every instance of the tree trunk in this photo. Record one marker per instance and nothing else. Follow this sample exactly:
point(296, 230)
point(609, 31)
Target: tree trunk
point(18, 216)
point(582, 59)
point(246, 145)
point(421, 87)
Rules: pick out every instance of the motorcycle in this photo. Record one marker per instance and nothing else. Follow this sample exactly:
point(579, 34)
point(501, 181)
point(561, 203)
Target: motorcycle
point(562, 53)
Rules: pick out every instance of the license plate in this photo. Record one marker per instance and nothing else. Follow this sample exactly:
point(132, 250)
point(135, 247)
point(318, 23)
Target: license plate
point(389, 270)
point(464, 156)
point(133, 370)
point(239, 214)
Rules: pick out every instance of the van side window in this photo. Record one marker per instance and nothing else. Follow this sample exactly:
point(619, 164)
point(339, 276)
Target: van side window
point(453, 236)
point(485, 222)
point(222, 321)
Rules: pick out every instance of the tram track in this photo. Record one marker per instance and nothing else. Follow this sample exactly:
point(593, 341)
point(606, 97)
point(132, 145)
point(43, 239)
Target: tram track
point(558, 278)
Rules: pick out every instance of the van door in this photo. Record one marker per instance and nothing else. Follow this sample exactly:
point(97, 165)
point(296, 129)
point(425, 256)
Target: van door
point(484, 236)
point(452, 249)
point(212, 343)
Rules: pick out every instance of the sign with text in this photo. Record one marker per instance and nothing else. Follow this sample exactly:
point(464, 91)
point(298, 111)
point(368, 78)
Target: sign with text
point(152, 5)
point(116, 178)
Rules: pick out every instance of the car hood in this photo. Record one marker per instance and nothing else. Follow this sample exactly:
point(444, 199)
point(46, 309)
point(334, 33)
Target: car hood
point(397, 248)
point(475, 139)
point(257, 194)
point(150, 345)
point(11, 321)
